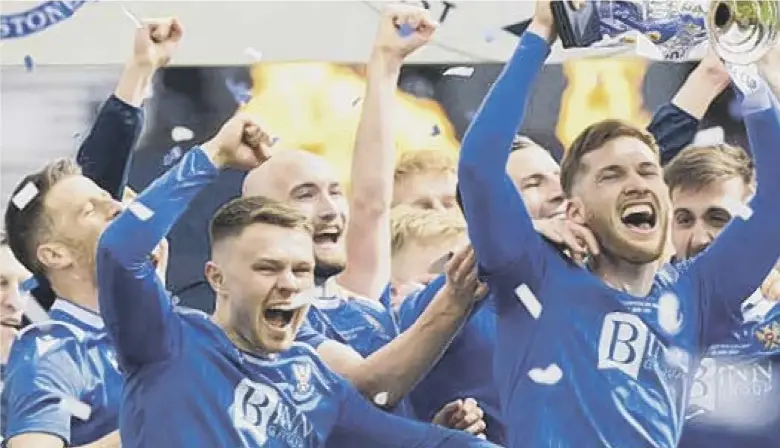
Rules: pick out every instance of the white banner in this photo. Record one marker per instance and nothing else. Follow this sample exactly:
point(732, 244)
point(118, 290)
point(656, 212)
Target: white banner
point(218, 32)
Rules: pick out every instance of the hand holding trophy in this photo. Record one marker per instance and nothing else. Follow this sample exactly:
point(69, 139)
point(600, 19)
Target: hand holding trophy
point(739, 31)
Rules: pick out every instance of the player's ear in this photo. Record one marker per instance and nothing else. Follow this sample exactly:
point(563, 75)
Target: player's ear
point(214, 276)
point(54, 255)
point(575, 211)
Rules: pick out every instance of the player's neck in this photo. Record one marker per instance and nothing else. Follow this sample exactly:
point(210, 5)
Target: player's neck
point(223, 321)
point(632, 278)
point(76, 288)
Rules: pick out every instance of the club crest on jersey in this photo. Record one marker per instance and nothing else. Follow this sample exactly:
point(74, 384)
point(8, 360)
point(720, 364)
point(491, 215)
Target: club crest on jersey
point(38, 18)
point(302, 374)
point(769, 335)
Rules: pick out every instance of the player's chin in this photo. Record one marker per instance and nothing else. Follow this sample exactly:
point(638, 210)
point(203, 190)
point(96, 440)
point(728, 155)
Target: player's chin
point(642, 252)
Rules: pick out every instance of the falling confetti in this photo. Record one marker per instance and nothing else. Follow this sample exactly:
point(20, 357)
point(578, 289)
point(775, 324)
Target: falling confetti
point(380, 399)
point(253, 54)
point(141, 211)
point(464, 72)
point(274, 140)
point(405, 30)
point(489, 37)
point(182, 134)
point(548, 376)
point(136, 21)
point(239, 90)
point(76, 135)
point(356, 101)
point(529, 300)
point(172, 156)
point(29, 64)
point(25, 195)
point(76, 408)
point(435, 131)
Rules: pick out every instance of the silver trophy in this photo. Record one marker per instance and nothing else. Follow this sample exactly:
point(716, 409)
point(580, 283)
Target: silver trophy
point(740, 31)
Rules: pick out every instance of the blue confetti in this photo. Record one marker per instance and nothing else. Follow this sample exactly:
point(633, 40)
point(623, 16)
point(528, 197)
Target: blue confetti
point(489, 37)
point(239, 90)
point(29, 64)
point(28, 285)
point(405, 30)
point(436, 131)
point(172, 156)
point(274, 140)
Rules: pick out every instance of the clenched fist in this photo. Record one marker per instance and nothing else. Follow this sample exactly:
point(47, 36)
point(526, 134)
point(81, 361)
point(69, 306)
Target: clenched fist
point(156, 41)
point(462, 282)
point(465, 415)
point(403, 29)
point(241, 144)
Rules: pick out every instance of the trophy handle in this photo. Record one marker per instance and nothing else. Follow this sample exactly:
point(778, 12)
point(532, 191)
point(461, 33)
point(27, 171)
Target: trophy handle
point(576, 27)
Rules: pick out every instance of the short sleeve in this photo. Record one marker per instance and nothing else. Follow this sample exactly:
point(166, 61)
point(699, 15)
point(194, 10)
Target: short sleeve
point(42, 370)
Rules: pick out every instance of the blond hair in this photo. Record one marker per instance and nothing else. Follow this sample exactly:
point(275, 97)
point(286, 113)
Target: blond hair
point(425, 161)
point(409, 223)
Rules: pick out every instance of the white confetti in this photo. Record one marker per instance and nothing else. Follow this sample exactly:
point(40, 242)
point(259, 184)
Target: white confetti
point(136, 21)
point(464, 72)
point(710, 137)
point(669, 316)
point(548, 376)
point(76, 408)
point(25, 195)
point(182, 134)
point(141, 211)
point(380, 399)
point(253, 54)
point(529, 300)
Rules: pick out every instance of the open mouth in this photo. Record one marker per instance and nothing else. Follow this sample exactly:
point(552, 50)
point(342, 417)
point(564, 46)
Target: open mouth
point(639, 217)
point(327, 236)
point(279, 317)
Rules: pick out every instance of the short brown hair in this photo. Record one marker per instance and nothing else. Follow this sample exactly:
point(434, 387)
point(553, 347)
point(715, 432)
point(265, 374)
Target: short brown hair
point(697, 167)
point(408, 223)
point(232, 218)
point(27, 226)
point(425, 161)
point(594, 137)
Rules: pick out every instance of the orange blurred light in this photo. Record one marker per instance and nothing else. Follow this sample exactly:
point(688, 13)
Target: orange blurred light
point(600, 89)
point(316, 106)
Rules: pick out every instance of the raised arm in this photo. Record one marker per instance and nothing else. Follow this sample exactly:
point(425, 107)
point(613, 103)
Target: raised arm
point(137, 309)
point(106, 153)
point(676, 123)
point(499, 226)
point(398, 366)
point(373, 161)
point(739, 260)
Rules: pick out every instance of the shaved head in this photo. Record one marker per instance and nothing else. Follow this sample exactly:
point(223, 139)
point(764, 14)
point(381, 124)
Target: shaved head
point(308, 183)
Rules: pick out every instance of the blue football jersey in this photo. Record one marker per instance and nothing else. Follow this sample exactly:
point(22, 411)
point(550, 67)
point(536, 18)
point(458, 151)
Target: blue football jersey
point(577, 363)
point(68, 357)
point(363, 324)
point(465, 370)
point(737, 386)
point(188, 386)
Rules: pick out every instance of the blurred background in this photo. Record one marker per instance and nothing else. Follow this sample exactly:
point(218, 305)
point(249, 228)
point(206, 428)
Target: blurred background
point(59, 64)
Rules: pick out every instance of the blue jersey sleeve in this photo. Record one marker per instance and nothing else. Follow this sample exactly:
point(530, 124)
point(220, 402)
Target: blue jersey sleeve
point(105, 154)
point(372, 427)
point(742, 256)
point(499, 226)
point(309, 335)
point(415, 304)
point(43, 368)
point(673, 130)
point(135, 306)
